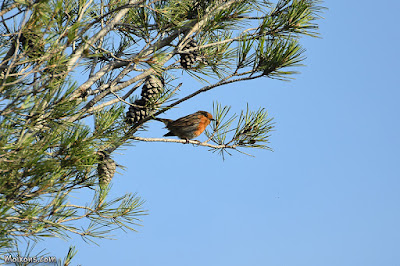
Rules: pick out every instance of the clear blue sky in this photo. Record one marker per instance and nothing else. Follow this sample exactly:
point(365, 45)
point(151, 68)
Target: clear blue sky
point(328, 194)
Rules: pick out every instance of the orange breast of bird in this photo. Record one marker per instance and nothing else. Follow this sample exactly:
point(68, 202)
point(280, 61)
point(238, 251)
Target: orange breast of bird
point(204, 122)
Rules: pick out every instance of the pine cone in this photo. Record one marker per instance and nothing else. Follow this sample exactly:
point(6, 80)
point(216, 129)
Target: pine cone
point(152, 88)
point(106, 169)
point(188, 59)
point(137, 112)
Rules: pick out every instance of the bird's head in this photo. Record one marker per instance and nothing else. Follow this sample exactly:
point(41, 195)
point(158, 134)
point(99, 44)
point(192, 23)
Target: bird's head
point(206, 114)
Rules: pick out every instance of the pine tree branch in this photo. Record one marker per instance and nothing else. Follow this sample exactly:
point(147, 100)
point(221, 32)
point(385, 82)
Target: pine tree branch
point(224, 81)
point(82, 89)
point(135, 127)
point(119, 87)
point(78, 53)
point(122, 100)
point(99, 107)
point(110, 89)
point(194, 142)
point(135, 58)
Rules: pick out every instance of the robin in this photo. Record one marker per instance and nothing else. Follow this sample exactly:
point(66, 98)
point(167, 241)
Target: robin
point(187, 127)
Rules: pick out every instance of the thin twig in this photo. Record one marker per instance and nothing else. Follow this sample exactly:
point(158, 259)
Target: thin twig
point(122, 100)
point(194, 142)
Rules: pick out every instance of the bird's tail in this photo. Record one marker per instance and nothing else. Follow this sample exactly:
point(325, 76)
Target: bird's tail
point(169, 134)
point(164, 120)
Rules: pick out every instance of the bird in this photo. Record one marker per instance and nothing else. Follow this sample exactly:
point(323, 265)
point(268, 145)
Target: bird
point(187, 127)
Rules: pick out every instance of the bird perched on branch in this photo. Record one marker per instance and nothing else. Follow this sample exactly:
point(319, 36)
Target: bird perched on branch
point(187, 127)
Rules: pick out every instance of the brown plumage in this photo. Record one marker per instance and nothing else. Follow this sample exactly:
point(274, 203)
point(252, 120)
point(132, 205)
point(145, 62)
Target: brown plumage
point(187, 127)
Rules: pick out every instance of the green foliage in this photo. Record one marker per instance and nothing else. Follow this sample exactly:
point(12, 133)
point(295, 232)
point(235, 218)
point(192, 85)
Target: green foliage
point(108, 124)
point(67, 260)
point(252, 129)
point(292, 16)
point(272, 56)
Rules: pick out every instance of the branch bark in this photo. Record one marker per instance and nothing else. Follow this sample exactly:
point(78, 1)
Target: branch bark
point(194, 142)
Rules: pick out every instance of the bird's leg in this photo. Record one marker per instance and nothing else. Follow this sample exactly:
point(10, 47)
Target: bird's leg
point(187, 141)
